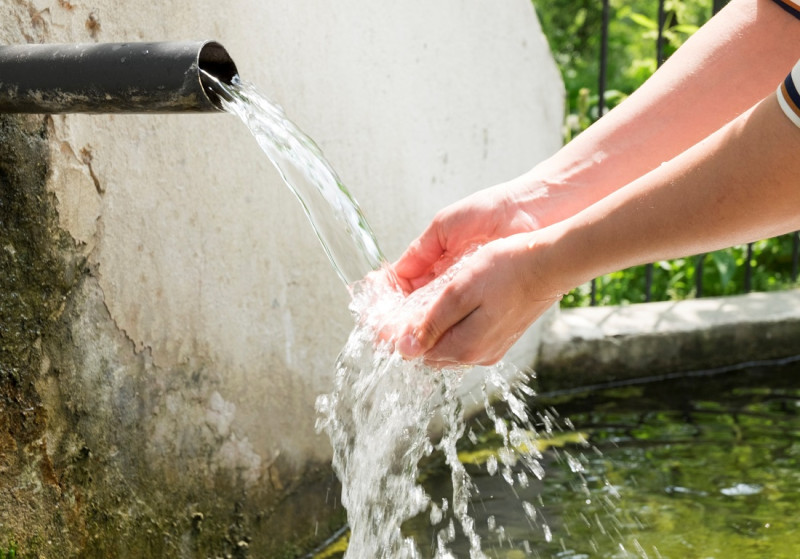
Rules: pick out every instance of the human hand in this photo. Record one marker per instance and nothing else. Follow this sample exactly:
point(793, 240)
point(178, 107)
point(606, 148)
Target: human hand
point(475, 311)
point(480, 218)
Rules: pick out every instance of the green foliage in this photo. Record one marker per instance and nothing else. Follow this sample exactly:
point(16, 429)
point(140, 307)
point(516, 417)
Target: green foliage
point(573, 29)
point(723, 274)
point(10, 551)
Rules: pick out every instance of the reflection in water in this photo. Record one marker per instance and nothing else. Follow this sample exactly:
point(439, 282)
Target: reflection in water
point(705, 468)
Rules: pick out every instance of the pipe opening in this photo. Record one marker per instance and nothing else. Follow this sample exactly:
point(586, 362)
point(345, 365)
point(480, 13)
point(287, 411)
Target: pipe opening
point(160, 77)
point(214, 61)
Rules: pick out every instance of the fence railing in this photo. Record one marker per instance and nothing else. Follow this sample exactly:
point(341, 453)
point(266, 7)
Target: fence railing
point(747, 283)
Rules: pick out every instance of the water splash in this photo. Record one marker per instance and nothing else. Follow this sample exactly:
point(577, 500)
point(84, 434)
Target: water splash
point(385, 415)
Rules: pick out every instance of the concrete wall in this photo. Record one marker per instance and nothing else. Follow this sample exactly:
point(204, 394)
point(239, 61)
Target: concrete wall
point(167, 317)
point(597, 345)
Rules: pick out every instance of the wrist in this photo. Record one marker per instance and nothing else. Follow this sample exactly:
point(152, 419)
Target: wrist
point(542, 274)
point(551, 195)
point(555, 261)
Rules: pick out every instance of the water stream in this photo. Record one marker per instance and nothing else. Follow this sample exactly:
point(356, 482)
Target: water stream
point(387, 416)
point(334, 214)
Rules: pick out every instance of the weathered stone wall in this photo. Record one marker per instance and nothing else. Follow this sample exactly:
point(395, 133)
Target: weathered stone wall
point(167, 317)
point(596, 345)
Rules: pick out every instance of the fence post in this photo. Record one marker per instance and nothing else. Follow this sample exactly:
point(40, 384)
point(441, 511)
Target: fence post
point(698, 276)
point(660, 39)
point(748, 269)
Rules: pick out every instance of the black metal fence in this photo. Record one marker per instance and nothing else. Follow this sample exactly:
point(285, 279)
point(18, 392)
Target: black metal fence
point(699, 259)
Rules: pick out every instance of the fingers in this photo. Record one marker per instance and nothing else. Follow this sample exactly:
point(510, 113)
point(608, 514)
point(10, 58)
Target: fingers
point(468, 342)
point(457, 300)
point(476, 314)
point(416, 263)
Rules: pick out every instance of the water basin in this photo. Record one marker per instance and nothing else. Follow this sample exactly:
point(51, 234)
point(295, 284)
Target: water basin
point(698, 467)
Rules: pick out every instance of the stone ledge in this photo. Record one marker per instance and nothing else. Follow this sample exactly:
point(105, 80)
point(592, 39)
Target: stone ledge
point(601, 344)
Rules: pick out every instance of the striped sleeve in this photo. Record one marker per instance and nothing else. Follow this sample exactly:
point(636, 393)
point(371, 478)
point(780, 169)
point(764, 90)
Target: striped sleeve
point(788, 97)
point(791, 6)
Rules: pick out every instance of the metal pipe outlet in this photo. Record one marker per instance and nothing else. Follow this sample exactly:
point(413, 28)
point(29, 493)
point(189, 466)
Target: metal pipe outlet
point(160, 77)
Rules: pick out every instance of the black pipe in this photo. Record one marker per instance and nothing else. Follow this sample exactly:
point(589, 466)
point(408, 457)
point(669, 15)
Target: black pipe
point(113, 77)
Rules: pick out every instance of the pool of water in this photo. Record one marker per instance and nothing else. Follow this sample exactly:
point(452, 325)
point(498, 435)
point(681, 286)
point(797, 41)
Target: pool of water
point(704, 467)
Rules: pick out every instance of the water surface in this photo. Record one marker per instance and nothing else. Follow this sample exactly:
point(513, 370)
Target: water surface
point(704, 468)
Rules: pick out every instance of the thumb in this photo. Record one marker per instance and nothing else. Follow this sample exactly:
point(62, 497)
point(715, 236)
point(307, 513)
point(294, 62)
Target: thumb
point(447, 308)
point(408, 346)
point(418, 259)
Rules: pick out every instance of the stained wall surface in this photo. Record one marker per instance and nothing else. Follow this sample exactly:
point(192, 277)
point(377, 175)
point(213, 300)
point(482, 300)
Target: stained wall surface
point(167, 316)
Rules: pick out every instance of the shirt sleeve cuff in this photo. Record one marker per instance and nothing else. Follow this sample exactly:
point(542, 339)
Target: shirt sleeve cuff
point(790, 6)
point(788, 96)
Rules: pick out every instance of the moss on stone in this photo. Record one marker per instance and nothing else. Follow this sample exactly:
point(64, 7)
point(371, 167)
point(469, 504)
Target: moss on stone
point(34, 282)
point(77, 402)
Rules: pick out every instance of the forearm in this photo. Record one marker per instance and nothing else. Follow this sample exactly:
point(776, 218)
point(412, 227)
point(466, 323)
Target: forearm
point(732, 62)
point(739, 185)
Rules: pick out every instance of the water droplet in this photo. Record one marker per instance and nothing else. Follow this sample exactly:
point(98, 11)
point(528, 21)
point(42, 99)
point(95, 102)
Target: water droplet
point(537, 469)
point(530, 510)
point(436, 514)
point(548, 535)
point(491, 465)
point(574, 464)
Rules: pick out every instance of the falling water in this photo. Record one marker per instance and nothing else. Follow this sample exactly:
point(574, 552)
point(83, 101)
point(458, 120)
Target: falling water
point(380, 417)
point(334, 214)
point(386, 414)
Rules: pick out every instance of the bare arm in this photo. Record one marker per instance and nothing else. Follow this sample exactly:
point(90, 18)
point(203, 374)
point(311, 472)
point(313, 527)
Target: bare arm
point(740, 184)
point(735, 60)
point(731, 63)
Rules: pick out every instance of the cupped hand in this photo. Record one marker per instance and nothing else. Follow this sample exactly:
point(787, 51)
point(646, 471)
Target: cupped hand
point(476, 311)
point(478, 219)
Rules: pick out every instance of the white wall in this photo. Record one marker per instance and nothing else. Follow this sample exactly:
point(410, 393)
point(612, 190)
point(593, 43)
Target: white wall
point(203, 261)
